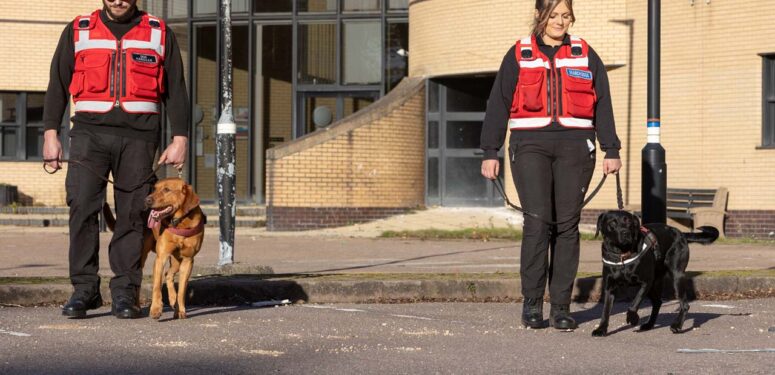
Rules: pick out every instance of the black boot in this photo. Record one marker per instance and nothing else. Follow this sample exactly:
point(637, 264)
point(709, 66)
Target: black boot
point(81, 301)
point(533, 313)
point(125, 306)
point(560, 318)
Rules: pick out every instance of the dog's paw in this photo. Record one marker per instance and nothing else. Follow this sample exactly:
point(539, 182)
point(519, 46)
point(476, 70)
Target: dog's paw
point(647, 326)
point(180, 314)
point(600, 332)
point(632, 318)
point(676, 327)
point(155, 312)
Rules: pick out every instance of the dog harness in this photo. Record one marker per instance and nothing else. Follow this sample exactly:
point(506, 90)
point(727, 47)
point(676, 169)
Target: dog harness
point(560, 90)
point(649, 243)
point(155, 222)
point(124, 73)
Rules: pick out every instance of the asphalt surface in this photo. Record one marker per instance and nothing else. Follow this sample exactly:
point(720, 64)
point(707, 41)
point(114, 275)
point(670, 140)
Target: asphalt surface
point(457, 338)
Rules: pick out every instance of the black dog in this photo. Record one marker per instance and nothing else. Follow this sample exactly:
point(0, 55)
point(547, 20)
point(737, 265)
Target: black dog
point(642, 255)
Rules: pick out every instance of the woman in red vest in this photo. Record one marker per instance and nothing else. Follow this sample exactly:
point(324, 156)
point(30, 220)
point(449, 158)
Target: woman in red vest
point(552, 91)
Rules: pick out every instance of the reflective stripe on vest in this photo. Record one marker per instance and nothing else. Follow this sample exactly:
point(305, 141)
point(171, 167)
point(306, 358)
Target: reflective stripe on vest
point(84, 42)
point(93, 106)
point(529, 122)
point(141, 107)
point(573, 122)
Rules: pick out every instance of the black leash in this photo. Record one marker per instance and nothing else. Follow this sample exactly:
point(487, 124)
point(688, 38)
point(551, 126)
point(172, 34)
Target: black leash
point(619, 200)
point(78, 162)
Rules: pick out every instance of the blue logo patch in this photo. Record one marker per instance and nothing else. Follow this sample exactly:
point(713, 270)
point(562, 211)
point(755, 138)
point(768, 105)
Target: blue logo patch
point(575, 73)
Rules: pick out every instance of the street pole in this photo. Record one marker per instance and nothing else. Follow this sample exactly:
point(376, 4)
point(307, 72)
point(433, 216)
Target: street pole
point(225, 131)
point(654, 169)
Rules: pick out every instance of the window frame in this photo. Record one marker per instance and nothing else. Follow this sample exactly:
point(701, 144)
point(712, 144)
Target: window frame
point(768, 100)
point(22, 126)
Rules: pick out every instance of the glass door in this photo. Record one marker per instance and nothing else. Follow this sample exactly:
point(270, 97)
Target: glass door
point(456, 109)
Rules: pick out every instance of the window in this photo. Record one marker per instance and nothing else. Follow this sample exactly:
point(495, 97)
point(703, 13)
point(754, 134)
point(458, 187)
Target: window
point(21, 125)
point(166, 9)
point(768, 100)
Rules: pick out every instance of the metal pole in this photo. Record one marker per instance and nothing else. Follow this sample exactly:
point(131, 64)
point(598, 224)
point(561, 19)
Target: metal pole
point(654, 169)
point(226, 129)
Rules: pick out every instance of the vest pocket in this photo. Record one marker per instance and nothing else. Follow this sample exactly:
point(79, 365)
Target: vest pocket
point(96, 73)
point(76, 84)
point(529, 92)
point(143, 80)
point(580, 96)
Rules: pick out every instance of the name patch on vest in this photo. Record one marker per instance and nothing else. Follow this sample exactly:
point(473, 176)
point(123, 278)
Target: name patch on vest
point(582, 74)
point(148, 59)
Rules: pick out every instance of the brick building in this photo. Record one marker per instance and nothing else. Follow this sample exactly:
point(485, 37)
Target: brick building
point(300, 65)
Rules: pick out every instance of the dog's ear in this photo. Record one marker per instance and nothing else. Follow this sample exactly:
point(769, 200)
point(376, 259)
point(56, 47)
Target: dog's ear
point(599, 223)
point(191, 200)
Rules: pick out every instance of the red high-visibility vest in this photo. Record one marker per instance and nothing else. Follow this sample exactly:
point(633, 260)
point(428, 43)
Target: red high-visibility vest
point(559, 90)
point(126, 73)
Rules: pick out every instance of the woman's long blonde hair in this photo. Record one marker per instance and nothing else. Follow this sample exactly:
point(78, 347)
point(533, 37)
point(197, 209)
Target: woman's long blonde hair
point(544, 9)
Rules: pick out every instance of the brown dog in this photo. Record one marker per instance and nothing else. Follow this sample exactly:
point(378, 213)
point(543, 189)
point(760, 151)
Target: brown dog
point(175, 232)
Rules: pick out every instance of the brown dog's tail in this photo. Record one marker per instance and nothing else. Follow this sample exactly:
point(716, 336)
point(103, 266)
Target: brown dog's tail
point(110, 221)
point(706, 236)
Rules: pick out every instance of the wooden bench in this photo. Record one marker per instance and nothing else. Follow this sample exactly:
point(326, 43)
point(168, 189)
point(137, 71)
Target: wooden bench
point(698, 207)
point(689, 209)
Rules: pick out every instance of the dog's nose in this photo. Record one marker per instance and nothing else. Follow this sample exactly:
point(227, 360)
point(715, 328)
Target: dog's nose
point(148, 201)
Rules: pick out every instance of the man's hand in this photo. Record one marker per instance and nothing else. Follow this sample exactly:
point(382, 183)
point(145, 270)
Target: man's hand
point(175, 153)
point(611, 166)
point(52, 149)
point(490, 168)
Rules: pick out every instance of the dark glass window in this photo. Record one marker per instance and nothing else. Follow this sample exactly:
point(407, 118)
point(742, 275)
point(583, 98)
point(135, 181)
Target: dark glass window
point(463, 134)
point(768, 101)
point(21, 125)
point(272, 6)
point(317, 53)
point(467, 94)
point(8, 108)
point(433, 177)
point(433, 134)
point(397, 51)
point(8, 140)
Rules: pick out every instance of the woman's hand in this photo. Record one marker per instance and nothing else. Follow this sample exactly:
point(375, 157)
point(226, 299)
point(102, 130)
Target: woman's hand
point(609, 166)
point(490, 168)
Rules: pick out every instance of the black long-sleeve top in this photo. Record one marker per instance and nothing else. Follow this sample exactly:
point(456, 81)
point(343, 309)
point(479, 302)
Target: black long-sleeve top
point(499, 105)
point(118, 122)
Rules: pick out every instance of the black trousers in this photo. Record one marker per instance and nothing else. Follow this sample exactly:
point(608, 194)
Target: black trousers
point(131, 161)
point(552, 177)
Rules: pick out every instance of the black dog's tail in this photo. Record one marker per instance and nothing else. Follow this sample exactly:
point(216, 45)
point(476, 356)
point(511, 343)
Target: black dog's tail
point(110, 221)
point(705, 237)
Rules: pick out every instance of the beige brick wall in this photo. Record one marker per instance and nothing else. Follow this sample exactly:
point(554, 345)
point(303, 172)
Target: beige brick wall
point(374, 158)
point(711, 80)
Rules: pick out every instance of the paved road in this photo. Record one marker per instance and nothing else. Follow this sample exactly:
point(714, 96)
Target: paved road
point(391, 339)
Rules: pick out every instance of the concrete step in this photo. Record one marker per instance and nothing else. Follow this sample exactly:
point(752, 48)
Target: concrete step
point(209, 210)
point(61, 220)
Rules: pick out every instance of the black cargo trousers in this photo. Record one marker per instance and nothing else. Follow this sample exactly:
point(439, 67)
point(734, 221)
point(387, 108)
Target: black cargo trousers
point(552, 177)
point(131, 161)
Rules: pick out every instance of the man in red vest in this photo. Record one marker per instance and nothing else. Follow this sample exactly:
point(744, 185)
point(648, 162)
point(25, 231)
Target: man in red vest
point(119, 65)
